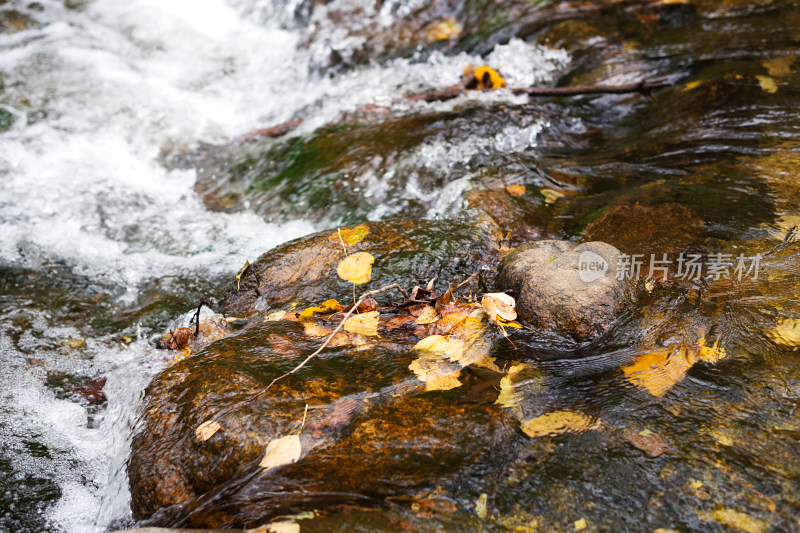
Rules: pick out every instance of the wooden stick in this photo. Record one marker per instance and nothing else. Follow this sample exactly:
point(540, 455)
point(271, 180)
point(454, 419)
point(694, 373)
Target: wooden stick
point(644, 87)
point(330, 337)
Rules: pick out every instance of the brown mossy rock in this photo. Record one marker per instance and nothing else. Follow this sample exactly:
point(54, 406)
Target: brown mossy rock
point(405, 251)
point(370, 431)
point(553, 294)
point(645, 229)
point(524, 218)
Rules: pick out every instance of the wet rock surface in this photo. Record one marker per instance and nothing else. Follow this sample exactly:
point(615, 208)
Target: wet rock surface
point(405, 251)
point(565, 287)
point(370, 431)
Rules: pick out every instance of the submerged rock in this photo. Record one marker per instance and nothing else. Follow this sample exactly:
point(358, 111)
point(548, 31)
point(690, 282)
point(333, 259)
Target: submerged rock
point(567, 288)
point(644, 229)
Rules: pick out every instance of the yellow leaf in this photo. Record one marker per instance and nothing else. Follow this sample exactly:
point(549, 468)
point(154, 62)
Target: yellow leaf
point(556, 423)
point(551, 195)
point(658, 371)
point(691, 85)
point(580, 525)
point(312, 329)
point(735, 520)
point(489, 78)
point(786, 333)
point(427, 316)
point(498, 304)
point(448, 29)
point(780, 66)
point(284, 527)
point(206, 430)
point(436, 374)
point(365, 324)
point(328, 306)
point(282, 451)
point(183, 354)
point(480, 506)
point(442, 345)
point(275, 316)
point(357, 268)
point(450, 321)
point(350, 236)
point(516, 190)
point(512, 324)
point(509, 395)
point(767, 84)
point(713, 353)
point(696, 485)
point(74, 343)
point(241, 273)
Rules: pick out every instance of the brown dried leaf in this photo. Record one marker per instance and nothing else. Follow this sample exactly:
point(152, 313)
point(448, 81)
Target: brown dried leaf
point(177, 339)
point(499, 304)
point(427, 315)
point(398, 321)
point(450, 321)
point(282, 451)
point(206, 430)
point(283, 345)
point(650, 443)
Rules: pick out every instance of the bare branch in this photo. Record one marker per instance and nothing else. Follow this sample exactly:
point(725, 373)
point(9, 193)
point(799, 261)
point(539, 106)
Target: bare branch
point(644, 87)
point(328, 340)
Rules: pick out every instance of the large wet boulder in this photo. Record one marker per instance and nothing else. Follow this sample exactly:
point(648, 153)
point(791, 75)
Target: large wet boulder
point(405, 252)
point(572, 289)
point(371, 430)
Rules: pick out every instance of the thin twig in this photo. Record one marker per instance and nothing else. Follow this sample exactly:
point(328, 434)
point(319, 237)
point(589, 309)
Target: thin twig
point(330, 337)
point(787, 240)
point(196, 316)
point(473, 276)
point(644, 87)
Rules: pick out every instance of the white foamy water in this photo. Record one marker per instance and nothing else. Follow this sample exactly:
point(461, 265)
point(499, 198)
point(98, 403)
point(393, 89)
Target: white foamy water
point(98, 93)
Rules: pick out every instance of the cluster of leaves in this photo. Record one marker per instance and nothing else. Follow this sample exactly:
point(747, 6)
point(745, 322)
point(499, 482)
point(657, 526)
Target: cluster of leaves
point(455, 331)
